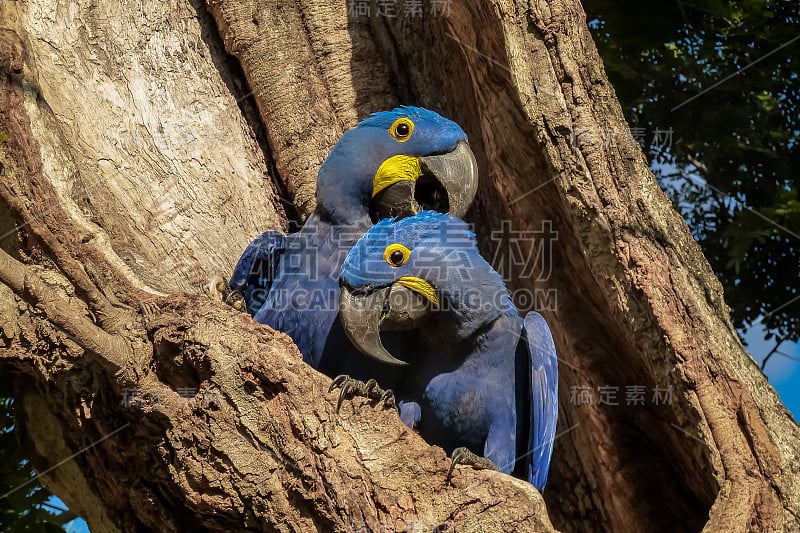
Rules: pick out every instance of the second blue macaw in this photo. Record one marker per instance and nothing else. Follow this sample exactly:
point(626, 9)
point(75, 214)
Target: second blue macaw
point(480, 381)
point(392, 163)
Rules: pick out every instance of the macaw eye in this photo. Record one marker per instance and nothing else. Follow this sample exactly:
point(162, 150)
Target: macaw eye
point(396, 255)
point(401, 129)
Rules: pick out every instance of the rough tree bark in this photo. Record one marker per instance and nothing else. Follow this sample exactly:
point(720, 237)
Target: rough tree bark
point(139, 164)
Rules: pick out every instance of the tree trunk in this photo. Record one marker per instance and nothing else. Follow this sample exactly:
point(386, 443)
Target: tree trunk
point(139, 164)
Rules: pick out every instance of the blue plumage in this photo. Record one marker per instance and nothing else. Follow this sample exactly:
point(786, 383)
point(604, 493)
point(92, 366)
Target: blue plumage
point(478, 376)
point(344, 182)
point(255, 270)
point(290, 282)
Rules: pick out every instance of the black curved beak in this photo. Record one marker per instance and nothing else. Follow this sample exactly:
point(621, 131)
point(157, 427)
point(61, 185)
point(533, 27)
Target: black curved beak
point(446, 183)
point(365, 314)
point(456, 172)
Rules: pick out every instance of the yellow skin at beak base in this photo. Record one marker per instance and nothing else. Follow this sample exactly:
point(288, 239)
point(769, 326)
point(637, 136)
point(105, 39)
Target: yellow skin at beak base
point(396, 168)
point(420, 286)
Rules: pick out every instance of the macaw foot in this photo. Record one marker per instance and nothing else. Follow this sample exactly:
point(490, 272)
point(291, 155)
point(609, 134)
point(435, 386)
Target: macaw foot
point(465, 457)
point(235, 300)
point(218, 288)
point(351, 387)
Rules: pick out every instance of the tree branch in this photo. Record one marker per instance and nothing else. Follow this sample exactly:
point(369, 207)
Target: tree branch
point(114, 350)
point(771, 352)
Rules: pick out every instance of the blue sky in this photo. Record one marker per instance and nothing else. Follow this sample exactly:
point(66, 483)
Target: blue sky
point(783, 371)
point(77, 526)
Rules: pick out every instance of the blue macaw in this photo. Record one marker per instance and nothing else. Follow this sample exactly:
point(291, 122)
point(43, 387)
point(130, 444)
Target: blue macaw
point(479, 380)
point(392, 163)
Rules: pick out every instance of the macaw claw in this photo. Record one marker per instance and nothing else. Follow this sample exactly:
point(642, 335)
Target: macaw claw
point(351, 387)
point(219, 289)
point(466, 457)
point(235, 299)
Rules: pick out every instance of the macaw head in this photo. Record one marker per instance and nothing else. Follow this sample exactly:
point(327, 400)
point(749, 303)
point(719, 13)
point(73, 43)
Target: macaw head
point(403, 271)
point(396, 163)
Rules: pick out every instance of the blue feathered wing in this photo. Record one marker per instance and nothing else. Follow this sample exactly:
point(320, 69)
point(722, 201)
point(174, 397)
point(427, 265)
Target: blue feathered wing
point(258, 267)
point(543, 399)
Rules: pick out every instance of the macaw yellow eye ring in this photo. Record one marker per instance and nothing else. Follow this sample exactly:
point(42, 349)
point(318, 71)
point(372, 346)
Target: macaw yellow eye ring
point(396, 255)
point(401, 129)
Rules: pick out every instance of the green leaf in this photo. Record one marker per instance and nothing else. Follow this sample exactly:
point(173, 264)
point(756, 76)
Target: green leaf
point(744, 130)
